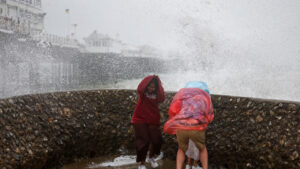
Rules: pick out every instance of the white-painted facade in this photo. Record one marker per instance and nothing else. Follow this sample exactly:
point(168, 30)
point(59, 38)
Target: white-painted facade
point(100, 43)
point(23, 16)
point(55, 40)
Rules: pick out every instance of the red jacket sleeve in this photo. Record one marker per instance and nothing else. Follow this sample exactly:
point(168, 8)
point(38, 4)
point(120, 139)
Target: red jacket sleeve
point(143, 84)
point(160, 91)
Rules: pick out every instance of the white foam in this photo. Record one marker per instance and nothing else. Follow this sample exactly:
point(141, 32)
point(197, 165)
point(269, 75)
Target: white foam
point(119, 161)
point(122, 160)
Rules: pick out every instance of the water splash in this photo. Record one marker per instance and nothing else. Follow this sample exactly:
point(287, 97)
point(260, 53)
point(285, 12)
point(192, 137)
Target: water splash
point(123, 161)
point(119, 161)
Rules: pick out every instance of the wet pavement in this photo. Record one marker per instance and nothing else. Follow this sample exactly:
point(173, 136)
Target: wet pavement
point(117, 162)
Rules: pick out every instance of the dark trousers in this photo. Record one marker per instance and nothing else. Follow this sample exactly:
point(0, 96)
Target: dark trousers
point(144, 136)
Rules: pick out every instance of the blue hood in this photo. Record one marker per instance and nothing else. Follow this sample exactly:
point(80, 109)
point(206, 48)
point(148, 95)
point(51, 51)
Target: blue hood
point(197, 84)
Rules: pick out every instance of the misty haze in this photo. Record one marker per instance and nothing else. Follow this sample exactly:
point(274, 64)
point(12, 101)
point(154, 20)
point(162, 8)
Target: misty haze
point(245, 48)
point(58, 57)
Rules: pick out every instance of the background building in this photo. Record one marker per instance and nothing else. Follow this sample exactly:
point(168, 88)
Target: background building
point(22, 16)
point(100, 43)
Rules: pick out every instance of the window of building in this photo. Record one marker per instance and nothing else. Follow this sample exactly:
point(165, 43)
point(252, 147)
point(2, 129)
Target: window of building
point(104, 43)
point(1, 11)
point(21, 13)
point(38, 3)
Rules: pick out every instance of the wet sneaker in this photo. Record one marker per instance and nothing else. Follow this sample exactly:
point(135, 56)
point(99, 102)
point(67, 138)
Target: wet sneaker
point(160, 156)
point(142, 167)
point(188, 167)
point(153, 163)
point(196, 167)
point(147, 157)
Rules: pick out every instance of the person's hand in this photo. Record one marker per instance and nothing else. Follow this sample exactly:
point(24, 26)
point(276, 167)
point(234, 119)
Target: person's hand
point(157, 78)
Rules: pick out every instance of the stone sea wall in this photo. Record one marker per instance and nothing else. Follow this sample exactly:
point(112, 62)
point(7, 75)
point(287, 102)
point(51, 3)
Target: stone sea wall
point(48, 130)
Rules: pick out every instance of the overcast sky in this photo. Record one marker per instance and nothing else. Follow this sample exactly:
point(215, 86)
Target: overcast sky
point(252, 44)
point(257, 27)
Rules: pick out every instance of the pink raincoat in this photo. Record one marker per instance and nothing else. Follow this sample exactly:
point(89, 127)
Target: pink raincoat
point(190, 109)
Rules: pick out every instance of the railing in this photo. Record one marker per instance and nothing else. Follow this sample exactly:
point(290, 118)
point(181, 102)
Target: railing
point(57, 40)
point(10, 24)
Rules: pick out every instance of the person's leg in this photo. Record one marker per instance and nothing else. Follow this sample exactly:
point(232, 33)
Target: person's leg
point(189, 161)
point(183, 141)
point(141, 142)
point(155, 140)
point(180, 159)
point(204, 158)
point(151, 154)
point(195, 163)
point(199, 139)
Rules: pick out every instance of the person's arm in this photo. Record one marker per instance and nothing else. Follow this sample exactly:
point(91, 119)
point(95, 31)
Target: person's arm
point(160, 91)
point(142, 86)
point(174, 109)
point(175, 106)
point(210, 115)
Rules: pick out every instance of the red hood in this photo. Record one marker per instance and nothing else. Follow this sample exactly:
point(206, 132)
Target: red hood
point(144, 83)
point(147, 110)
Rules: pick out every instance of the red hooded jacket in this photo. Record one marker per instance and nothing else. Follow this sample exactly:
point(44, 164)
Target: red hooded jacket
point(146, 110)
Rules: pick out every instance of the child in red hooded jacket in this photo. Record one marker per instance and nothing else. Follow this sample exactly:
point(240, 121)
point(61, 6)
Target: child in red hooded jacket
point(146, 120)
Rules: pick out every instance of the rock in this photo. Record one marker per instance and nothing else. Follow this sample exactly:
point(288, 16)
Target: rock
point(8, 128)
point(50, 120)
point(249, 104)
point(17, 150)
point(30, 152)
point(105, 120)
point(294, 156)
point(292, 107)
point(259, 119)
point(45, 139)
point(17, 157)
point(67, 112)
point(7, 150)
point(11, 101)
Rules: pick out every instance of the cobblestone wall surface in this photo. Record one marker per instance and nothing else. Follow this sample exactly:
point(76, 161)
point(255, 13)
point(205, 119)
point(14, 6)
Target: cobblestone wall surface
point(48, 130)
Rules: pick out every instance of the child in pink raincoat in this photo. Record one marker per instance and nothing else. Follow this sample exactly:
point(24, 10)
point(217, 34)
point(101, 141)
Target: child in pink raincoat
point(190, 112)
